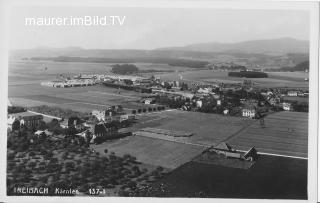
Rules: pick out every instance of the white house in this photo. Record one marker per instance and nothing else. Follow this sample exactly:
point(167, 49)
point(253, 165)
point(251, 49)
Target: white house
point(249, 112)
point(199, 104)
point(286, 106)
point(10, 121)
point(292, 93)
point(226, 112)
point(218, 102)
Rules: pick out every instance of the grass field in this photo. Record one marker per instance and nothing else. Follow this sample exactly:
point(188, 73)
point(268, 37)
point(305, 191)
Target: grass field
point(24, 87)
point(284, 133)
point(298, 99)
point(275, 79)
point(83, 99)
point(151, 151)
point(208, 129)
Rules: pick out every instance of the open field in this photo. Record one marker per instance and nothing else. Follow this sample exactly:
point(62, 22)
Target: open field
point(33, 72)
point(79, 98)
point(151, 151)
point(289, 75)
point(275, 79)
point(298, 99)
point(284, 133)
point(208, 129)
point(270, 177)
point(21, 72)
point(25, 90)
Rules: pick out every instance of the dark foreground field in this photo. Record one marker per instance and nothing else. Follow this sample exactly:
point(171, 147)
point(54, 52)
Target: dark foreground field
point(270, 178)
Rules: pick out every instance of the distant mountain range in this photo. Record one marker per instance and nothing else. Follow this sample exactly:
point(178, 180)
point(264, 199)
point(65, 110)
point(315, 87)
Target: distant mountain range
point(271, 53)
point(267, 46)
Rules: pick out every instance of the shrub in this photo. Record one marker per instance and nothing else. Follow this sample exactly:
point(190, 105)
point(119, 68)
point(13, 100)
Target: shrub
point(32, 153)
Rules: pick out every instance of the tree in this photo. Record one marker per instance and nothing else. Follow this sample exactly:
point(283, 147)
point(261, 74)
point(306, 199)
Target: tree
point(184, 86)
point(53, 123)
point(15, 109)
point(41, 126)
point(124, 69)
point(88, 136)
point(167, 85)
point(15, 125)
point(71, 130)
point(73, 120)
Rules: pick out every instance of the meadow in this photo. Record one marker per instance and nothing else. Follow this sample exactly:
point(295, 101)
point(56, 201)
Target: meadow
point(207, 129)
point(151, 151)
point(24, 89)
point(284, 133)
point(275, 79)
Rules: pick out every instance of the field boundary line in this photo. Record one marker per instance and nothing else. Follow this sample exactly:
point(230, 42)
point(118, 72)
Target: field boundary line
point(280, 155)
point(113, 94)
point(238, 132)
point(46, 115)
point(176, 141)
point(93, 104)
point(156, 112)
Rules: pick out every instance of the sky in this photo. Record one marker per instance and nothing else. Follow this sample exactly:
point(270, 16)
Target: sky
point(150, 28)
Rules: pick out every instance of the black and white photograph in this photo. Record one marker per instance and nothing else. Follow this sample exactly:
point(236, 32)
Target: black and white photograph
point(182, 99)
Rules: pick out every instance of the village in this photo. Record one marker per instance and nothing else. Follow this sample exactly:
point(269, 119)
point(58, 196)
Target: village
point(236, 99)
point(158, 98)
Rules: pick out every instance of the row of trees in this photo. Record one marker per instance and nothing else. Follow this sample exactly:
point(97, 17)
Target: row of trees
point(134, 59)
point(16, 109)
point(248, 74)
point(124, 69)
point(172, 102)
point(149, 109)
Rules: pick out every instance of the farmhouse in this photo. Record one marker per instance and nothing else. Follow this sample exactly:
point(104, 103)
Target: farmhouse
point(199, 103)
point(43, 132)
point(292, 93)
point(24, 118)
point(226, 150)
point(226, 112)
point(148, 100)
point(13, 123)
point(286, 106)
point(76, 122)
point(249, 112)
point(105, 115)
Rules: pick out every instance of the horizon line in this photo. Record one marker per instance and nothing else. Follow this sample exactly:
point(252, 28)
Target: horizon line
point(158, 48)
